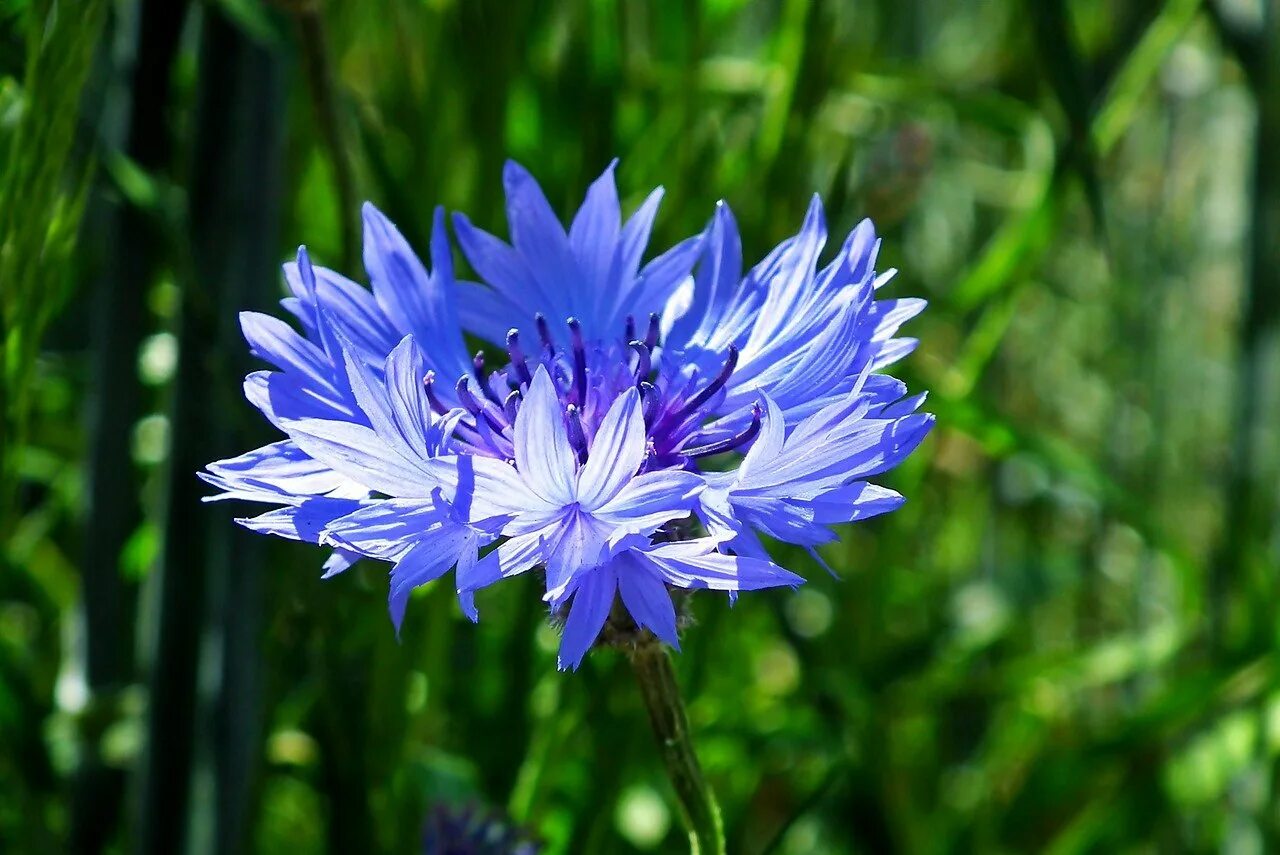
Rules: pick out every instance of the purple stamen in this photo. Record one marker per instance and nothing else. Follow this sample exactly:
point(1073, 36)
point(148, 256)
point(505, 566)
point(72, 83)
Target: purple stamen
point(478, 368)
point(544, 333)
point(429, 384)
point(579, 362)
point(516, 352)
point(475, 407)
point(577, 436)
point(711, 388)
point(512, 405)
point(651, 335)
point(631, 328)
point(746, 435)
point(468, 401)
point(644, 363)
point(492, 436)
point(652, 402)
point(469, 435)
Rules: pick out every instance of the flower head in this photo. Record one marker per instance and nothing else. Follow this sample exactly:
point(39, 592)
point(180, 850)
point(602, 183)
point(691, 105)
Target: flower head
point(623, 391)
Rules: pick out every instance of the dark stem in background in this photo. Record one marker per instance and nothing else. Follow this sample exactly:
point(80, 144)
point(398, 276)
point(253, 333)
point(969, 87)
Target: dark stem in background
point(208, 596)
point(323, 88)
point(662, 700)
point(132, 249)
point(1240, 576)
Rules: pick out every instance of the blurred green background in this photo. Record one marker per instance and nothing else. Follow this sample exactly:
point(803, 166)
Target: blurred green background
point(1065, 642)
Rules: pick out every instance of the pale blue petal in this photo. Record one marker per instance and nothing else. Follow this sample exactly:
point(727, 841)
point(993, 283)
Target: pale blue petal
point(359, 453)
point(388, 528)
point(516, 556)
point(278, 343)
point(543, 453)
point(303, 522)
point(483, 490)
point(616, 452)
point(410, 410)
point(579, 544)
point(695, 564)
point(766, 451)
point(280, 466)
point(650, 500)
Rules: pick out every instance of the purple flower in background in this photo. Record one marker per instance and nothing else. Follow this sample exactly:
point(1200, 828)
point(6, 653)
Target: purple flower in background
point(471, 829)
point(611, 423)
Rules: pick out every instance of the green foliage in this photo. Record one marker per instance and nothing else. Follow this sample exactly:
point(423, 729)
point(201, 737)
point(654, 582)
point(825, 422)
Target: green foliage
point(1064, 642)
point(41, 193)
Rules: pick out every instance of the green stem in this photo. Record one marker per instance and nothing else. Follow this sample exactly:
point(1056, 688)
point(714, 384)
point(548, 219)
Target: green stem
point(670, 723)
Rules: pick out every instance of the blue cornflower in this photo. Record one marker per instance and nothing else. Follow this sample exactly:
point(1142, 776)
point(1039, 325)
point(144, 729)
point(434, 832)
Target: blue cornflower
point(586, 451)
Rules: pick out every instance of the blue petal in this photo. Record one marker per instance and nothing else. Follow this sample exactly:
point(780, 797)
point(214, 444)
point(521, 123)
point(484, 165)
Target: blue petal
point(861, 250)
point(415, 301)
point(537, 234)
point(633, 239)
point(424, 563)
point(282, 398)
point(646, 598)
point(854, 502)
point(716, 282)
point(894, 350)
point(339, 561)
point(320, 324)
point(361, 317)
point(578, 545)
point(517, 555)
point(275, 341)
point(904, 407)
point(788, 280)
point(888, 316)
point(658, 281)
point(487, 314)
point(593, 236)
point(505, 272)
point(587, 614)
point(303, 522)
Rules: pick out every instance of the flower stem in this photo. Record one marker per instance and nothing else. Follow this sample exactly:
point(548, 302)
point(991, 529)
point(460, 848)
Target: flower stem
point(670, 723)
